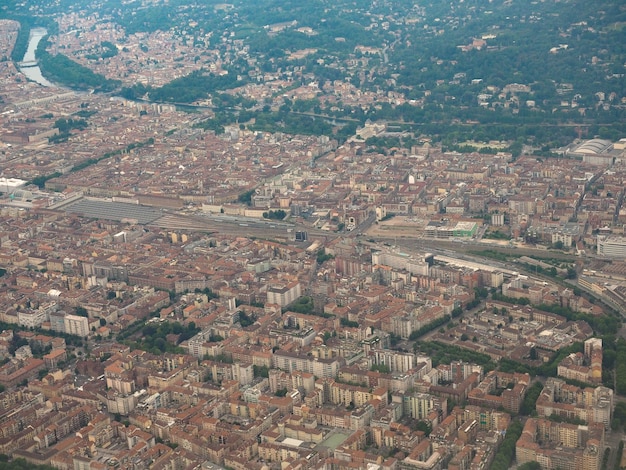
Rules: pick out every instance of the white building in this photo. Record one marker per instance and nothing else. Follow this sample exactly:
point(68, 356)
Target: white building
point(30, 318)
point(75, 325)
point(612, 246)
point(402, 261)
point(284, 295)
point(564, 238)
point(394, 360)
point(243, 373)
point(292, 362)
point(10, 185)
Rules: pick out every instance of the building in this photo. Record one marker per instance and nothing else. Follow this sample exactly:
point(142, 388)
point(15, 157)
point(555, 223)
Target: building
point(612, 246)
point(31, 318)
point(592, 405)
point(585, 367)
point(284, 295)
point(10, 185)
point(497, 278)
point(465, 229)
point(395, 361)
point(420, 405)
point(280, 380)
point(560, 445)
point(75, 325)
point(57, 321)
point(591, 345)
point(563, 237)
point(18, 371)
point(487, 419)
point(594, 151)
point(353, 395)
point(497, 220)
point(292, 362)
point(500, 389)
point(397, 260)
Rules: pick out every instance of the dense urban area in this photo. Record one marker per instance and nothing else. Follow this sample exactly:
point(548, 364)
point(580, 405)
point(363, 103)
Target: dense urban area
point(285, 235)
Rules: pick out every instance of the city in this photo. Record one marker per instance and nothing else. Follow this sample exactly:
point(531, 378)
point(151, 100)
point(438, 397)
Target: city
point(277, 276)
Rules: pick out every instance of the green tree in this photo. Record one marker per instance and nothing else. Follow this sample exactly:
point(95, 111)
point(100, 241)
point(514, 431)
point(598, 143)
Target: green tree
point(322, 256)
point(530, 466)
point(424, 426)
point(532, 394)
point(22, 464)
point(506, 452)
point(260, 371)
point(349, 323)
point(278, 214)
point(81, 312)
point(245, 319)
point(246, 197)
point(382, 368)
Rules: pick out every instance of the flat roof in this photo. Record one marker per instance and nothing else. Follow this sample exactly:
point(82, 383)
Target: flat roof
point(109, 210)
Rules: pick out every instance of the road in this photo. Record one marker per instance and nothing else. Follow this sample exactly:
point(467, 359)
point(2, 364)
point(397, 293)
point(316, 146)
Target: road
point(363, 226)
point(612, 440)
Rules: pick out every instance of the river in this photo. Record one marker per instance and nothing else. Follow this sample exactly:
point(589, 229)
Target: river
point(33, 73)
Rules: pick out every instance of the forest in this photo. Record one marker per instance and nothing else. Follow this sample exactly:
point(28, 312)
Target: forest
point(61, 69)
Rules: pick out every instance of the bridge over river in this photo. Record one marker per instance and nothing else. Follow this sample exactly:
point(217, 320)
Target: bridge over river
point(29, 63)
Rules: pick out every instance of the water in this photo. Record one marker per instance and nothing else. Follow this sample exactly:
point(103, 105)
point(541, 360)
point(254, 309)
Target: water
point(34, 73)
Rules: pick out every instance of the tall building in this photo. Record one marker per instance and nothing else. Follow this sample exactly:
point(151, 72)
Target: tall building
point(292, 361)
point(75, 325)
point(420, 405)
point(591, 345)
point(394, 360)
point(57, 321)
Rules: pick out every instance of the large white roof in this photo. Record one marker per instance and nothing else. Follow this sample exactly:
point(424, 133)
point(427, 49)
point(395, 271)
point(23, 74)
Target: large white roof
point(594, 146)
